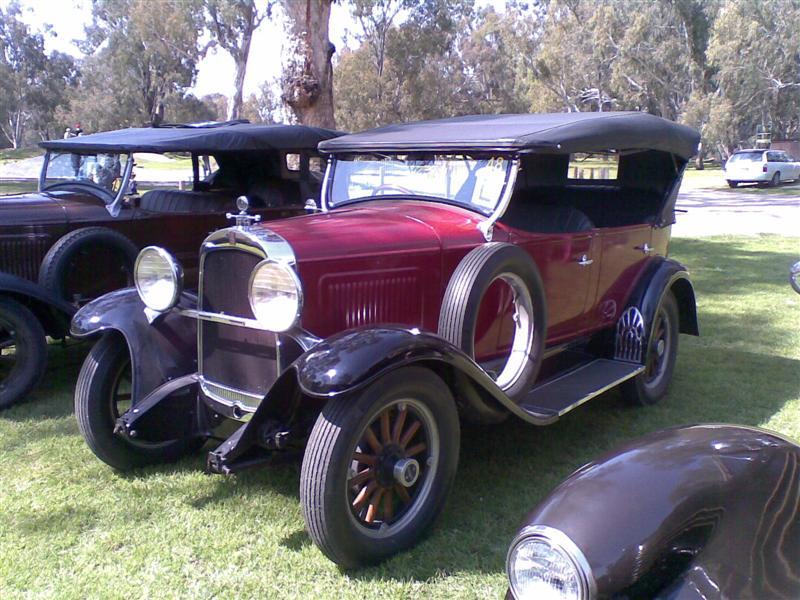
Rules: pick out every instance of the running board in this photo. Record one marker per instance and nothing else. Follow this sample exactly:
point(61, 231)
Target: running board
point(559, 395)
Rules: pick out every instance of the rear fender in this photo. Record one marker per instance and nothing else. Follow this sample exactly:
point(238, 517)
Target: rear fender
point(665, 274)
point(160, 351)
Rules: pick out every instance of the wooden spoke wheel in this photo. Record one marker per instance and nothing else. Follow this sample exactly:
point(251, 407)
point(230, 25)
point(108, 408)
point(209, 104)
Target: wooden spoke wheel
point(392, 464)
point(378, 466)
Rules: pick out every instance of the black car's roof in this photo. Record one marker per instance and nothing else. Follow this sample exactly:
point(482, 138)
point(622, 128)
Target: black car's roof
point(206, 138)
point(546, 132)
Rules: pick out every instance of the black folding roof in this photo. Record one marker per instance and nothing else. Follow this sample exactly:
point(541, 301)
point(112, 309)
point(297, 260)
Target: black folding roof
point(553, 133)
point(204, 138)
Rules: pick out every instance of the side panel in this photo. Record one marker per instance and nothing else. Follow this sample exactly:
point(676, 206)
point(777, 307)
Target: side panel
point(160, 351)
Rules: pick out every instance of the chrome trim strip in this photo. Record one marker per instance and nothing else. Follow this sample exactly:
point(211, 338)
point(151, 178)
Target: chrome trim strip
point(229, 407)
point(487, 227)
point(562, 541)
point(323, 193)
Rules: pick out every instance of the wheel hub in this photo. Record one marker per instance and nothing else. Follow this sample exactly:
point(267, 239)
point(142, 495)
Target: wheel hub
point(660, 346)
point(406, 471)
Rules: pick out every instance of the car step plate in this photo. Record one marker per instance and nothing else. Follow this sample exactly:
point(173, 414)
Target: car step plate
point(560, 394)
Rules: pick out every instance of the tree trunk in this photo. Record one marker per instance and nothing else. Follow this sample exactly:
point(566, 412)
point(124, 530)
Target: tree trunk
point(307, 79)
point(698, 161)
point(240, 58)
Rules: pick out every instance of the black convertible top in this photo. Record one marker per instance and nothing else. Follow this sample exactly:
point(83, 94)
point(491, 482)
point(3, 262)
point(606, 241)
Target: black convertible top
point(553, 133)
point(234, 136)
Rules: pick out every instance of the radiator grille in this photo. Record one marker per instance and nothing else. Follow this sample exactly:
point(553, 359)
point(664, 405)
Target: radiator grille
point(237, 359)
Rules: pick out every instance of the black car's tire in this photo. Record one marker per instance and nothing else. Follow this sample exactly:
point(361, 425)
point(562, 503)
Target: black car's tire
point(776, 179)
point(733, 184)
point(355, 511)
point(59, 262)
point(459, 313)
point(652, 384)
point(21, 370)
point(99, 393)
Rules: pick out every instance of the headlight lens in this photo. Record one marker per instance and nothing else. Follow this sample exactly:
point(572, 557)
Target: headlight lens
point(275, 295)
point(158, 278)
point(545, 568)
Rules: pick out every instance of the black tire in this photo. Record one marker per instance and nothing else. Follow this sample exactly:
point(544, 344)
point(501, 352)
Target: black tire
point(776, 179)
point(652, 384)
point(97, 243)
point(468, 284)
point(23, 351)
point(733, 184)
point(336, 510)
point(97, 398)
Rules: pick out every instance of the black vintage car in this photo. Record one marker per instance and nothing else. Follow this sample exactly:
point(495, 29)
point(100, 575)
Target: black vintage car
point(78, 236)
point(705, 512)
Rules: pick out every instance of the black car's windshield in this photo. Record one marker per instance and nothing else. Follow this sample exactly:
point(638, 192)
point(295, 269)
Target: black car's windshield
point(100, 170)
point(476, 183)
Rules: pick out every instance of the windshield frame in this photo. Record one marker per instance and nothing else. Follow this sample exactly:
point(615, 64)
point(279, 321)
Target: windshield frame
point(113, 203)
point(327, 182)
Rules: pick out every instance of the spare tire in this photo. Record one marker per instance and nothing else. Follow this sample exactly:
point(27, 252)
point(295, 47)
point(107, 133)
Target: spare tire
point(458, 318)
point(87, 263)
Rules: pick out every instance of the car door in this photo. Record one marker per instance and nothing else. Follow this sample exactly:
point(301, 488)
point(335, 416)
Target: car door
point(568, 264)
point(623, 253)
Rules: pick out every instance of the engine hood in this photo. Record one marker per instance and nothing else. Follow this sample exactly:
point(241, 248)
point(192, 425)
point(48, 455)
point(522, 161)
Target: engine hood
point(31, 209)
point(378, 229)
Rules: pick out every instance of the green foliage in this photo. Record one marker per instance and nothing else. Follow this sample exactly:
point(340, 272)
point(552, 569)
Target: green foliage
point(141, 55)
point(74, 529)
point(34, 82)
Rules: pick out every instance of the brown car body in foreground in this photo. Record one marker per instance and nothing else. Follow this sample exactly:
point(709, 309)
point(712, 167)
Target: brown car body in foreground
point(705, 511)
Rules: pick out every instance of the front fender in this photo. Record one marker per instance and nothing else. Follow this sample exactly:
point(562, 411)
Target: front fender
point(53, 311)
point(654, 514)
point(160, 351)
point(349, 361)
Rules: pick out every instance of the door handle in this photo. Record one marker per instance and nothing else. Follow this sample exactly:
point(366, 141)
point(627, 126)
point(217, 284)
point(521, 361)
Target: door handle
point(585, 261)
point(645, 248)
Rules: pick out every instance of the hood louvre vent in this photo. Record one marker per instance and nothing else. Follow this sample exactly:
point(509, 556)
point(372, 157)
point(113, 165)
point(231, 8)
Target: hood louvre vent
point(372, 298)
point(23, 256)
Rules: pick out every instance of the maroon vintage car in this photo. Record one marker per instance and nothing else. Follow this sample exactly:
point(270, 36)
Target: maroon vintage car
point(476, 267)
point(78, 236)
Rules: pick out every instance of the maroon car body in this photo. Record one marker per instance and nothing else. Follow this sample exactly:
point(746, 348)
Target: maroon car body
point(474, 267)
point(78, 236)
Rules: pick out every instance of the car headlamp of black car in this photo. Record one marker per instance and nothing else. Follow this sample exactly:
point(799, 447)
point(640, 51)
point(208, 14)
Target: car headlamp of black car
point(276, 296)
point(158, 278)
point(543, 563)
point(794, 276)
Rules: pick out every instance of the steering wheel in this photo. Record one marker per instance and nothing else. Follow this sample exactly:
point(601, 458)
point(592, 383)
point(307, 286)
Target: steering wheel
point(387, 187)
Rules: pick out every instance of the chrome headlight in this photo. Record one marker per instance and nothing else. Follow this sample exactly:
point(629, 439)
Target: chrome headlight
point(543, 563)
point(794, 276)
point(158, 278)
point(275, 295)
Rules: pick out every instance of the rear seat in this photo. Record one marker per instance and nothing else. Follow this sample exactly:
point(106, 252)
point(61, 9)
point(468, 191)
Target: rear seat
point(546, 218)
point(178, 201)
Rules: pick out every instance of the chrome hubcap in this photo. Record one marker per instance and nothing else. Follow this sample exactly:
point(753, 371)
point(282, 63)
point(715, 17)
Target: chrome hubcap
point(406, 471)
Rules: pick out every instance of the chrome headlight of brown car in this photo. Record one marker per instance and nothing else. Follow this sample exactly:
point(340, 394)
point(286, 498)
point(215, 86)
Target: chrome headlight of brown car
point(158, 278)
point(276, 296)
point(543, 563)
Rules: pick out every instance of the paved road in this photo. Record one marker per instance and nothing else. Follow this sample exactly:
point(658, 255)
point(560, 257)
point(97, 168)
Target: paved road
point(717, 212)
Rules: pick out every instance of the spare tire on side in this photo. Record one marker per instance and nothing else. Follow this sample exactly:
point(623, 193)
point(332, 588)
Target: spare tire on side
point(458, 318)
point(88, 262)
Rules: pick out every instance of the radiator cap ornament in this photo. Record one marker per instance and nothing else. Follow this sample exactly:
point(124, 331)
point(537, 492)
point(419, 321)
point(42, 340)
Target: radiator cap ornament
point(242, 218)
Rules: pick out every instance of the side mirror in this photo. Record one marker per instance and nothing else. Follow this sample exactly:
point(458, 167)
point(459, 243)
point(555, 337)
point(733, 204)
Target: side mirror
point(311, 206)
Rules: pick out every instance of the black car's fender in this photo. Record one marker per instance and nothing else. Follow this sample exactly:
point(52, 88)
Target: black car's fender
point(53, 312)
point(349, 361)
point(160, 351)
point(701, 511)
point(660, 276)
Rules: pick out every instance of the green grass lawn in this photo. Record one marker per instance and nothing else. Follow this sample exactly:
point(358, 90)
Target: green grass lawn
point(72, 528)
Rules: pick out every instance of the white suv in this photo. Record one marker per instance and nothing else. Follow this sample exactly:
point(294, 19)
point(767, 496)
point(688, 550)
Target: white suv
point(761, 166)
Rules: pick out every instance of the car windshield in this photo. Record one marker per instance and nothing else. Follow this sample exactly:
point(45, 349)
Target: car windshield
point(746, 156)
point(102, 171)
point(476, 183)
